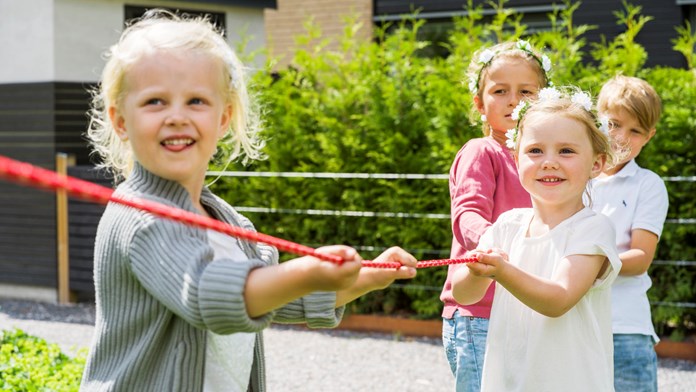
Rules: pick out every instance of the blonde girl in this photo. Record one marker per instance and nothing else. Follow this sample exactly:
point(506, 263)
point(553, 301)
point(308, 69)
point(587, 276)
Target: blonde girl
point(181, 308)
point(552, 264)
point(483, 184)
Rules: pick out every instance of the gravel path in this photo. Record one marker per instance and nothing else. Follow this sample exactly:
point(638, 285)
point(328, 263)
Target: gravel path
point(320, 360)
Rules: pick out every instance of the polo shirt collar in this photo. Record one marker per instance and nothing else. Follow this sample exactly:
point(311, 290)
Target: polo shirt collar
point(629, 170)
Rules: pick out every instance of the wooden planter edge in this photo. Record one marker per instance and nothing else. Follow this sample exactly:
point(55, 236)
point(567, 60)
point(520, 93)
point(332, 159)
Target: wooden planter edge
point(433, 329)
point(393, 325)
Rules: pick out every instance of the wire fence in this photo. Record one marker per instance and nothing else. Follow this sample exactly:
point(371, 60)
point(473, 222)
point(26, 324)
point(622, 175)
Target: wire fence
point(416, 215)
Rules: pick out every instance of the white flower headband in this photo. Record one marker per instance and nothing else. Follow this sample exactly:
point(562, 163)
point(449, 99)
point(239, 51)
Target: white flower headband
point(551, 94)
point(235, 77)
point(487, 56)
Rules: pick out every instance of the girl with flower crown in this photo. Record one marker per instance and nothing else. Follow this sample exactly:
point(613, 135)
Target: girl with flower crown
point(552, 264)
point(484, 184)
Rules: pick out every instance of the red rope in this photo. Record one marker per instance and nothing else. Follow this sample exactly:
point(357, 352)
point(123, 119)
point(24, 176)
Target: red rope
point(27, 174)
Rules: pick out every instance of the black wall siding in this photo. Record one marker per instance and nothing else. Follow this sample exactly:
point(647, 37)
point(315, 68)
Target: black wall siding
point(83, 221)
point(27, 216)
point(37, 120)
point(71, 121)
point(655, 37)
point(392, 7)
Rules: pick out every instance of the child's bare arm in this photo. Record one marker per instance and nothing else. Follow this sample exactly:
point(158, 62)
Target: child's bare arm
point(550, 297)
point(269, 288)
point(637, 260)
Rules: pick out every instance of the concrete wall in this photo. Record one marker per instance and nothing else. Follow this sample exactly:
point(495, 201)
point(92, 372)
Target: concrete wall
point(26, 41)
point(64, 40)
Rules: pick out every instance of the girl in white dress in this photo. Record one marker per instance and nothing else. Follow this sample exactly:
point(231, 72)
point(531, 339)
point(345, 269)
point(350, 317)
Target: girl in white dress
point(550, 326)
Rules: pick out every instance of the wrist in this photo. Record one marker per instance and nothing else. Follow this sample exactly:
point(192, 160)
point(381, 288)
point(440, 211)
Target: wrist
point(305, 271)
point(502, 273)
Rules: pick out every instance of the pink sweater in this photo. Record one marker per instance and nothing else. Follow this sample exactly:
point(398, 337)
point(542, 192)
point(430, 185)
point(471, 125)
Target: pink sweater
point(483, 184)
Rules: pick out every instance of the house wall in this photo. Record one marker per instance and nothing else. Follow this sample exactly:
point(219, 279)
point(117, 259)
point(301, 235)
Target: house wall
point(26, 41)
point(27, 216)
point(655, 37)
point(64, 40)
point(52, 53)
point(287, 22)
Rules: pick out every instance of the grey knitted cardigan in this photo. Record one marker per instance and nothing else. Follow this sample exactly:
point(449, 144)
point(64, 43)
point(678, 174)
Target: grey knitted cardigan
point(158, 292)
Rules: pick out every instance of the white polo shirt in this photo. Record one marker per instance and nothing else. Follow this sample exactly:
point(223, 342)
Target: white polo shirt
point(634, 198)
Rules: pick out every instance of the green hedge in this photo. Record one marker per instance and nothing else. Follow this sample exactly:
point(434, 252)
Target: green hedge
point(387, 106)
point(28, 363)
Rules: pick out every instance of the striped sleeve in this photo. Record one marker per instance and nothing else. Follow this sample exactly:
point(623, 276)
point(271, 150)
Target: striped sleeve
point(174, 263)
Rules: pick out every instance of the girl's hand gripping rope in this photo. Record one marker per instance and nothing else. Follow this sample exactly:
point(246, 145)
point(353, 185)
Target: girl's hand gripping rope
point(402, 266)
point(489, 263)
point(332, 276)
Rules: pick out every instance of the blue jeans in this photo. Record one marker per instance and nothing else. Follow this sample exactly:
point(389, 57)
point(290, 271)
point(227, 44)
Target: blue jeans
point(635, 363)
point(464, 338)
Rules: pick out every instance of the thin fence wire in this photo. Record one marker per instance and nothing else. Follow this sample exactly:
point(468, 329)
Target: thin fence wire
point(415, 215)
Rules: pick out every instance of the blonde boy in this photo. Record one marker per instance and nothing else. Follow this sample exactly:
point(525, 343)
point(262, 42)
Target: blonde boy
point(636, 201)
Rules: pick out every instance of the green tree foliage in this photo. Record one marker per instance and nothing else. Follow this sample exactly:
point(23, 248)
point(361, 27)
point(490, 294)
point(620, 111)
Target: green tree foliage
point(685, 43)
point(623, 54)
point(385, 106)
point(28, 363)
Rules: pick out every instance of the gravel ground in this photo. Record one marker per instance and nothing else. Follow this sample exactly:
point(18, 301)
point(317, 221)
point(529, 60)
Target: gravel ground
point(331, 360)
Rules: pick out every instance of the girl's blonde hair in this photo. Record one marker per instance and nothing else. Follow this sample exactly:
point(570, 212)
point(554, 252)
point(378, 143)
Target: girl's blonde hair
point(479, 68)
point(574, 104)
point(565, 104)
point(162, 30)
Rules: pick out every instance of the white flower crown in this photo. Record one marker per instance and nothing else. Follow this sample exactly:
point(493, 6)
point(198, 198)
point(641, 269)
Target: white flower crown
point(551, 94)
point(235, 78)
point(487, 55)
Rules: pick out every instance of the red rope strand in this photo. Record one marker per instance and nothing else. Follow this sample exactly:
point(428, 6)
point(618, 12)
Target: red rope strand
point(27, 174)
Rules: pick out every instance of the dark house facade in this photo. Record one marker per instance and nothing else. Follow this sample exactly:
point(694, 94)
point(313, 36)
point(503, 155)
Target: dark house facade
point(656, 36)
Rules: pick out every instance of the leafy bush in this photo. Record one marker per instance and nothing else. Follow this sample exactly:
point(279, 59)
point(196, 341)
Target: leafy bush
point(28, 363)
point(387, 107)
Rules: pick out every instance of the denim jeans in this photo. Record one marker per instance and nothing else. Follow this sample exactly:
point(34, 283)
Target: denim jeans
point(635, 363)
point(464, 338)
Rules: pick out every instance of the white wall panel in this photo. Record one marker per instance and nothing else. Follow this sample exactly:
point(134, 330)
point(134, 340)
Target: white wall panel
point(26, 41)
point(84, 30)
point(64, 40)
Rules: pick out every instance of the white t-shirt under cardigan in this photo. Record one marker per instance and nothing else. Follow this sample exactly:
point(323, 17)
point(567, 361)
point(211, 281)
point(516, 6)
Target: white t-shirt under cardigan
point(228, 358)
point(527, 351)
point(634, 198)
point(159, 291)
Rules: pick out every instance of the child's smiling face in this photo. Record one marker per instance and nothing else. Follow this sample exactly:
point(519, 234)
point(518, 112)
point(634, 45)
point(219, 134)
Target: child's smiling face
point(173, 113)
point(556, 160)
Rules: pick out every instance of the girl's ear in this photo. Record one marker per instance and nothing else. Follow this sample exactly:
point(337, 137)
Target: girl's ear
point(479, 104)
point(598, 165)
point(118, 122)
point(225, 120)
